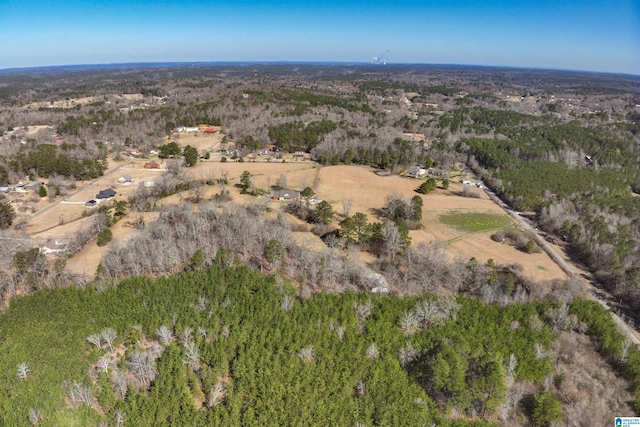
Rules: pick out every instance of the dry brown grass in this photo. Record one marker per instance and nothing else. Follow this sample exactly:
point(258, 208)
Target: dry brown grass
point(199, 140)
point(366, 190)
point(87, 259)
point(369, 191)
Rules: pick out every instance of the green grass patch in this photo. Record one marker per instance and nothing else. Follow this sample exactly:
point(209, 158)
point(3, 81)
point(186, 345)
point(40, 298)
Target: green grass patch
point(473, 222)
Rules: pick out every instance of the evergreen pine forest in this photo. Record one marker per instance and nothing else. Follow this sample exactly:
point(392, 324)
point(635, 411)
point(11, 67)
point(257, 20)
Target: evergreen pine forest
point(266, 357)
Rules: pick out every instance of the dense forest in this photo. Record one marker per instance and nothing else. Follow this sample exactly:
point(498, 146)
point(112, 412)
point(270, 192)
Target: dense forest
point(193, 349)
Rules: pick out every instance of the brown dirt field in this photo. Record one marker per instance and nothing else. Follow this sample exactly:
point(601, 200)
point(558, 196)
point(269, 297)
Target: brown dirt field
point(67, 230)
point(199, 140)
point(132, 96)
point(71, 208)
point(309, 241)
point(297, 173)
point(86, 261)
point(366, 190)
point(52, 218)
point(57, 215)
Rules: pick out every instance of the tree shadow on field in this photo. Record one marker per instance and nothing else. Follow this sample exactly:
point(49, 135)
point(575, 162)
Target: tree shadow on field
point(526, 403)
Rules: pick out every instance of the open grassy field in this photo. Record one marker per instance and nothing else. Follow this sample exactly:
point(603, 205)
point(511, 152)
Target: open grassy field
point(474, 222)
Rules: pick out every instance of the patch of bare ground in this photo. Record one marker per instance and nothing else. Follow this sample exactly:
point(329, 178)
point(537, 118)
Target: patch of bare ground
point(66, 230)
point(264, 174)
point(201, 141)
point(58, 215)
point(26, 204)
point(70, 209)
point(309, 241)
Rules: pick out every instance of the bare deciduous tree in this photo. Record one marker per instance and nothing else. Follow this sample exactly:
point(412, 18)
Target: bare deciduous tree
point(282, 181)
point(191, 355)
point(408, 354)
point(225, 331)
point(155, 350)
point(119, 418)
point(164, 335)
point(142, 365)
point(79, 393)
point(108, 336)
point(23, 371)
point(559, 317)
point(104, 363)
point(511, 369)
point(197, 192)
point(624, 352)
point(185, 336)
point(287, 304)
point(202, 332)
point(363, 311)
point(35, 416)
point(540, 351)
point(346, 207)
point(409, 322)
point(201, 303)
point(373, 351)
point(392, 240)
point(306, 354)
point(119, 384)
point(95, 340)
point(216, 395)
point(428, 312)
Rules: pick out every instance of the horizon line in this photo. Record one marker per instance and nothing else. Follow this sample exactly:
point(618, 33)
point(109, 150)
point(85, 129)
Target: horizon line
point(144, 64)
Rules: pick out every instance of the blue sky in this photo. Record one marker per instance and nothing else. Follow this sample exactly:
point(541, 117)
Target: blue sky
point(565, 34)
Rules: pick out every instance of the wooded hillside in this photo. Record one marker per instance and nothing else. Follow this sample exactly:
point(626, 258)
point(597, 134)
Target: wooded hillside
point(228, 346)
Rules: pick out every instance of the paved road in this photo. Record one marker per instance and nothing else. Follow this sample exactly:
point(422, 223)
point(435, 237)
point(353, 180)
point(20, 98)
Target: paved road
point(627, 330)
